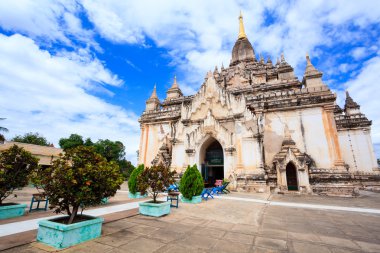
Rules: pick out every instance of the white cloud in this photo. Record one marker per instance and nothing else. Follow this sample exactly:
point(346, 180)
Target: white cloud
point(200, 34)
point(49, 94)
point(364, 90)
point(47, 21)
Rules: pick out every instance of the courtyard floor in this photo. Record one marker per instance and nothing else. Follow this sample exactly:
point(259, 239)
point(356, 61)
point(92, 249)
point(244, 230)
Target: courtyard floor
point(240, 222)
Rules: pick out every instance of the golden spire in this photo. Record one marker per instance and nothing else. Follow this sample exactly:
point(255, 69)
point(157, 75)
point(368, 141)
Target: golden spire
point(241, 27)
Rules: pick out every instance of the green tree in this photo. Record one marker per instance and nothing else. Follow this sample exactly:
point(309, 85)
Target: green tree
point(126, 168)
point(73, 141)
point(111, 150)
point(2, 129)
point(191, 183)
point(133, 186)
point(15, 167)
point(80, 178)
point(156, 179)
point(32, 138)
point(88, 142)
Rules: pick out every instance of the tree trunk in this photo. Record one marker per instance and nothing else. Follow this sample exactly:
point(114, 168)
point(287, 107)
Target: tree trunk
point(73, 214)
point(154, 197)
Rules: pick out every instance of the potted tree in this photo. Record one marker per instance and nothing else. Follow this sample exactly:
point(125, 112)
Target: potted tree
point(15, 167)
point(78, 179)
point(133, 186)
point(191, 185)
point(155, 179)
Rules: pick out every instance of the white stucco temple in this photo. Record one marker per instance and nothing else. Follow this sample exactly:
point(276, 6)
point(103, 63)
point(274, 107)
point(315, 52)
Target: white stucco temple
point(256, 124)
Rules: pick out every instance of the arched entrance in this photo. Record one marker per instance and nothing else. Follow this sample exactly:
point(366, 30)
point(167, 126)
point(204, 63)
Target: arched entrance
point(213, 162)
point(291, 177)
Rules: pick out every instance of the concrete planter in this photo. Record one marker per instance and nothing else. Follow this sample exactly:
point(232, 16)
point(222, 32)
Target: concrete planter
point(104, 201)
point(61, 236)
point(193, 200)
point(137, 195)
point(11, 210)
point(154, 209)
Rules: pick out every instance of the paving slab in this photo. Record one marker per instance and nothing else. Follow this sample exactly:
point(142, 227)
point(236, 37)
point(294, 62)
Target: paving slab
point(368, 247)
point(245, 229)
point(117, 239)
point(232, 225)
point(270, 243)
point(88, 247)
point(143, 229)
point(209, 232)
point(142, 245)
point(197, 242)
point(303, 247)
point(239, 238)
point(231, 246)
point(166, 235)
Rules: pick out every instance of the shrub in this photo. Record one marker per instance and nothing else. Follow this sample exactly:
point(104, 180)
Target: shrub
point(132, 182)
point(156, 179)
point(80, 178)
point(191, 183)
point(15, 167)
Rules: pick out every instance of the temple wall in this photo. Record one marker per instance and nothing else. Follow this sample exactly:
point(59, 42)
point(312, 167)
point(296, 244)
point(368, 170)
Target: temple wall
point(153, 136)
point(249, 154)
point(357, 150)
point(306, 128)
point(179, 157)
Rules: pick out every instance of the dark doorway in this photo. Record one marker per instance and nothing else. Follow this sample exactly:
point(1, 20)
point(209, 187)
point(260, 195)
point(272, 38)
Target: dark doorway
point(291, 177)
point(213, 166)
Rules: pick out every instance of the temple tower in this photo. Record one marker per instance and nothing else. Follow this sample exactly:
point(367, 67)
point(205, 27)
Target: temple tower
point(243, 50)
point(153, 102)
point(174, 91)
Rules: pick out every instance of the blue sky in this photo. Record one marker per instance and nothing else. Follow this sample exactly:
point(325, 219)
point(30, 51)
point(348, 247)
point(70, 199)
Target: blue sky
point(87, 67)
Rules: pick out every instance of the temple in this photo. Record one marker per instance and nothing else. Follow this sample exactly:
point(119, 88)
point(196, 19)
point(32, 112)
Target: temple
point(256, 124)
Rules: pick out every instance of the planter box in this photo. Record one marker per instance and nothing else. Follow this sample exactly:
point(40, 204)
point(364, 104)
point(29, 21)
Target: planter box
point(104, 201)
point(154, 209)
point(137, 195)
point(11, 210)
point(194, 200)
point(61, 236)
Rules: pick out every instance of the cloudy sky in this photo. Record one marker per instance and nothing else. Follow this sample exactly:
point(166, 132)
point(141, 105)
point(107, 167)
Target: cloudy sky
point(88, 66)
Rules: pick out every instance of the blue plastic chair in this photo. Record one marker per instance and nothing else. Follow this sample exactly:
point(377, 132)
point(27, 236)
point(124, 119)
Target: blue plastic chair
point(173, 187)
point(206, 193)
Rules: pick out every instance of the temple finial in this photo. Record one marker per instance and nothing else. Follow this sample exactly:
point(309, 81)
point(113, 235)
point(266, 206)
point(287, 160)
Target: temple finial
point(241, 27)
point(308, 62)
point(174, 85)
point(154, 93)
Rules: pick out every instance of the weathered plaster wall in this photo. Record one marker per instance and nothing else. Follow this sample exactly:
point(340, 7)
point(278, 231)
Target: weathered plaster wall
point(357, 150)
point(306, 128)
point(179, 157)
point(153, 136)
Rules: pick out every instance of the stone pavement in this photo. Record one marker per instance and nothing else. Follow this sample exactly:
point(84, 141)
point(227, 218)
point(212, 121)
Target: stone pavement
point(223, 225)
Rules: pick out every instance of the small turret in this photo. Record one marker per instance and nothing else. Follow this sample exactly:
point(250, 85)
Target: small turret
point(216, 71)
point(261, 59)
point(174, 91)
point(312, 77)
point(285, 71)
point(153, 102)
point(351, 107)
point(269, 62)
